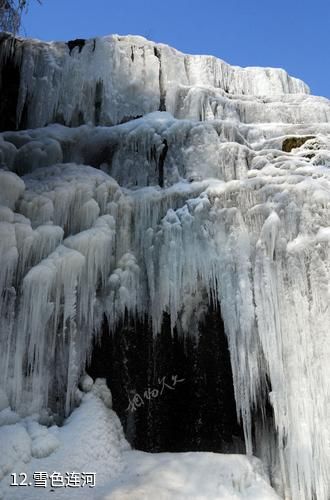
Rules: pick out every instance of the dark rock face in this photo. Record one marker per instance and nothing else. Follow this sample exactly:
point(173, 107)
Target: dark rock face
point(162, 102)
point(295, 142)
point(78, 42)
point(98, 102)
point(9, 89)
point(161, 163)
point(171, 393)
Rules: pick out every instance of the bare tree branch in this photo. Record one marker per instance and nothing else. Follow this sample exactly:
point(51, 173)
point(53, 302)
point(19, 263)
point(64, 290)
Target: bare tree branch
point(11, 14)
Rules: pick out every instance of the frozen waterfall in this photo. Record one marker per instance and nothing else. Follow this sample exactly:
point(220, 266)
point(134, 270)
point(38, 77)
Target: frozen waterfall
point(138, 180)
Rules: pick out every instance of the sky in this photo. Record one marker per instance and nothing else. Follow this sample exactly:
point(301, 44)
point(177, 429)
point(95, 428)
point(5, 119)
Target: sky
point(293, 35)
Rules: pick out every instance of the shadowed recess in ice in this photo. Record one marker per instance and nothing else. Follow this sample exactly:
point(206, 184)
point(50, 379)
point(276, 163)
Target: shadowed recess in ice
point(201, 200)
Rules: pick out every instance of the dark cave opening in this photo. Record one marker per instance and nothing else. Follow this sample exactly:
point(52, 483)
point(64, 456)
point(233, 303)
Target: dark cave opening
point(171, 392)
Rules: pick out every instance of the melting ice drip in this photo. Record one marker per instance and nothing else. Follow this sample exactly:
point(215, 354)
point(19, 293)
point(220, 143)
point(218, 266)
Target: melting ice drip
point(242, 217)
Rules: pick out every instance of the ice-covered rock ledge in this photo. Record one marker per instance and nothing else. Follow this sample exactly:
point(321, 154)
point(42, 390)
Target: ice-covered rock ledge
point(116, 78)
point(217, 187)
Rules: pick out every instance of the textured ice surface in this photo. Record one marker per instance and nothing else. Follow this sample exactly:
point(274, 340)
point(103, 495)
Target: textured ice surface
point(112, 79)
point(154, 215)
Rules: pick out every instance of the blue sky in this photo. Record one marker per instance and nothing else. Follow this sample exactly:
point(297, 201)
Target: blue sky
point(294, 35)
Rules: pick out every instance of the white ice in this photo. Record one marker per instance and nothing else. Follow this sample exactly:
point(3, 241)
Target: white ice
point(87, 231)
point(126, 76)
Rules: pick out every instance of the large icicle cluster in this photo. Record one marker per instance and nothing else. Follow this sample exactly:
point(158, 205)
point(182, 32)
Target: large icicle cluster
point(218, 186)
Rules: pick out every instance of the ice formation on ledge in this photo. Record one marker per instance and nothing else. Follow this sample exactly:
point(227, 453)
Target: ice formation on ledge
point(218, 186)
point(109, 80)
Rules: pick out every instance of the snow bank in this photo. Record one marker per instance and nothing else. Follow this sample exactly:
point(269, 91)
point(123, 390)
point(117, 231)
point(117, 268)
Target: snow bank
point(183, 476)
point(91, 440)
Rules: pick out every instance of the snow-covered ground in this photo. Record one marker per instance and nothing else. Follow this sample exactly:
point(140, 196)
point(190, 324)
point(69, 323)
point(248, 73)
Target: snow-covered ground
point(92, 441)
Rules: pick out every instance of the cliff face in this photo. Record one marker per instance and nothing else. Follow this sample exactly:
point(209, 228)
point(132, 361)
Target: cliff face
point(106, 81)
point(147, 185)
